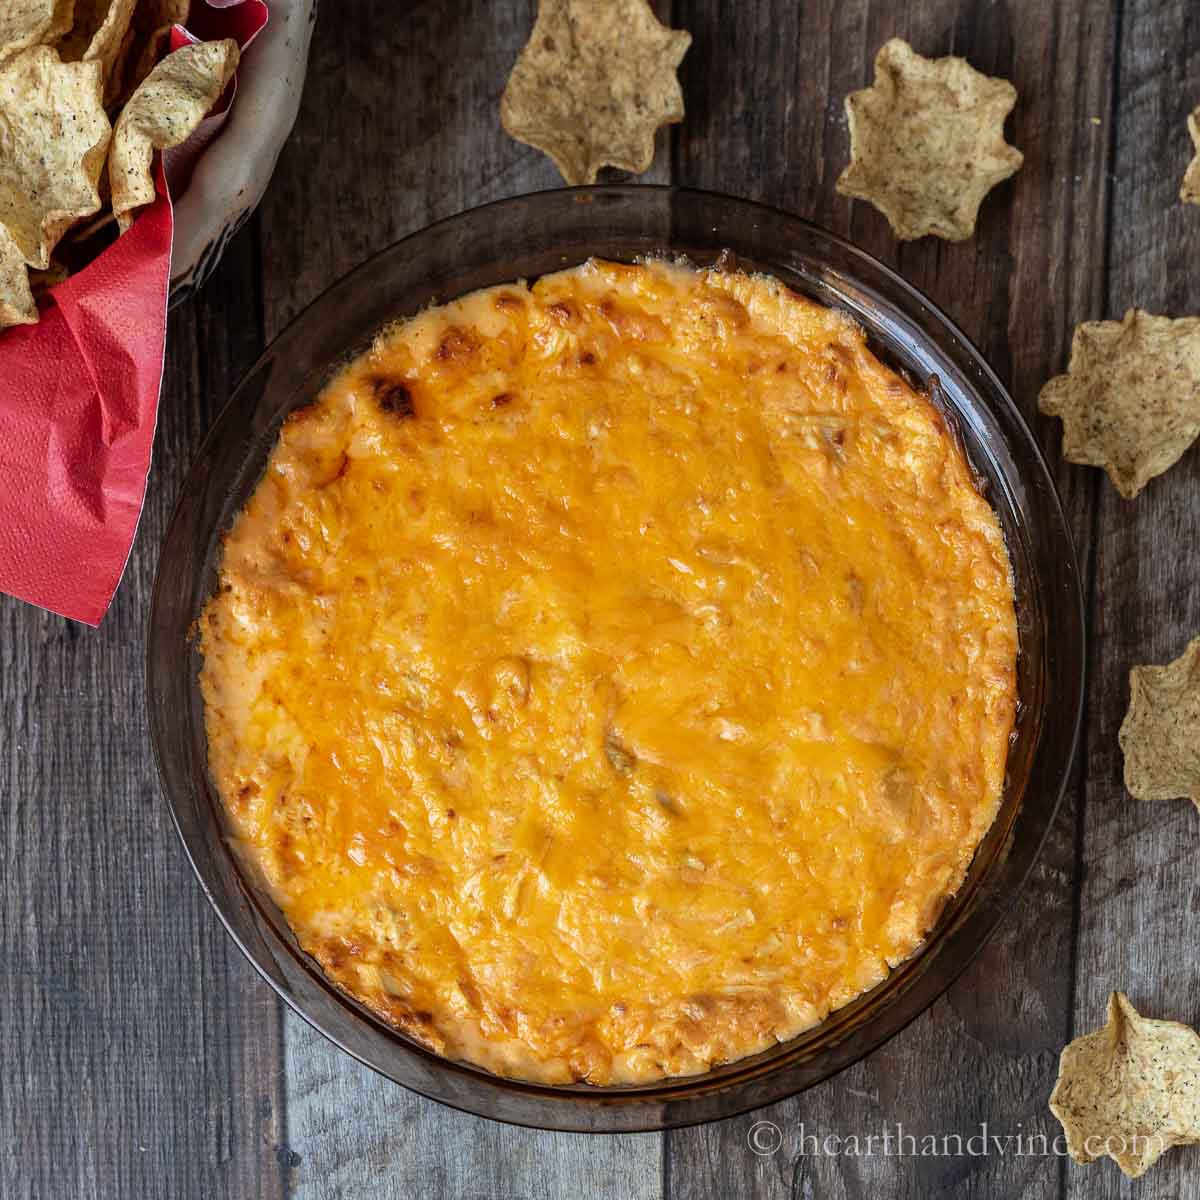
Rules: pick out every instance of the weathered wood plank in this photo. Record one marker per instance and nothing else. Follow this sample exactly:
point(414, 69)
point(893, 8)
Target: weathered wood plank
point(400, 127)
point(140, 1053)
point(352, 1133)
point(1139, 889)
point(769, 88)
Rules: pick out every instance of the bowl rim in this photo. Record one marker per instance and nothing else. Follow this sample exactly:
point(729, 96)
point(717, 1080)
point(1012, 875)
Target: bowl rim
point(671, 1103)
point(231, 175)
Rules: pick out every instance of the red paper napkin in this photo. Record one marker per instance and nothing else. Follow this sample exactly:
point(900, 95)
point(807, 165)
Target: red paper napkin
point(79, 401)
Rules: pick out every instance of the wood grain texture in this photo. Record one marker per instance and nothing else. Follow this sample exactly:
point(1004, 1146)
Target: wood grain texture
point(353, 1134)
point(1139, 892)
point(144, 1058)
point(139, 1058)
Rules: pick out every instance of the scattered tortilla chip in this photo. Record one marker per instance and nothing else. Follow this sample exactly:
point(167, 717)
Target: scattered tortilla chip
point(56, 136)
point(166, 108)
point(1160, 736)
point(25, 23)
point(16, 297)
point(593, 84)
point(1189, 191)
point(927, 142)
point(1130, 1090)
point(1130, 400)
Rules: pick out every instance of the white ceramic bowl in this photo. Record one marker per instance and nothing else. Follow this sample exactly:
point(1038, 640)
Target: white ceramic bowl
point(233, 172)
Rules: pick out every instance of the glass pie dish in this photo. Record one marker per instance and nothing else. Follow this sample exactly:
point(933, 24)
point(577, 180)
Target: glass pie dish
point(525, 238)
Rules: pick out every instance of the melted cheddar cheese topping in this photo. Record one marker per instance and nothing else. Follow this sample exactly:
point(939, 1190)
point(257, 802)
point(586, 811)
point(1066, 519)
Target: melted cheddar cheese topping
point(611, 677)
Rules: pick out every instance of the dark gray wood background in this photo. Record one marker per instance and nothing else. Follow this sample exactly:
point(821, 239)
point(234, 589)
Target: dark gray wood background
point(143, 1058)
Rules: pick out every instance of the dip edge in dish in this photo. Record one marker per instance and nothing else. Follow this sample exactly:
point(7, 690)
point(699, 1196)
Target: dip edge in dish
point(506, 241)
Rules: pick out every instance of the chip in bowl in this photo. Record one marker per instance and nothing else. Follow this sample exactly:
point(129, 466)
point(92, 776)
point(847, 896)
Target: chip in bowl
point(84, 85)
point(100, 33)
point(25, 23)
point(163, 112)
point(57, 134)
point(16, 297)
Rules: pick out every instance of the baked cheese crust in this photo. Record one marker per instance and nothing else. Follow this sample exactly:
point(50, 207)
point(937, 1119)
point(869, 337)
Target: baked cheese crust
point(611, 677)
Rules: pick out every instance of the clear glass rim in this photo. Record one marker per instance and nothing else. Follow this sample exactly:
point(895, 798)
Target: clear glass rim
point(852, 279)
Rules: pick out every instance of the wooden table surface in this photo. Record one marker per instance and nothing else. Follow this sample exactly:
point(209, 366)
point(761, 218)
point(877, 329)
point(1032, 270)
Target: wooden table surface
point(144, 1058)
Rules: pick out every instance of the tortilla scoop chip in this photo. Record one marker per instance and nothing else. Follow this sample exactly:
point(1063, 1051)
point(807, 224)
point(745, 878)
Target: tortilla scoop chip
point(56, 136)
point(100, 34)
point(25, 23)
point(16, 295)
point(154, 14)
point(1160, 736)
point(164, 110)
point(148, 50)
point(1130, 400)
point(927, 142)
point(115, 79)
point(1189, 191)
point(1130, 1090)
point(593, 84)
